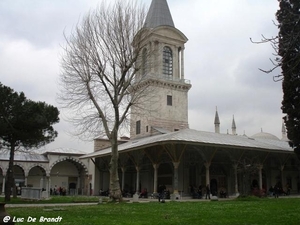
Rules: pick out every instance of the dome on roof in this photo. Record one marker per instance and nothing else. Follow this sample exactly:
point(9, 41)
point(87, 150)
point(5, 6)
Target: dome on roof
point(264, 135)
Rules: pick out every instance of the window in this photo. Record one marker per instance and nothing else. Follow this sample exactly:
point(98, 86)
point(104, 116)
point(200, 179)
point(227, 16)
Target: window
point(169, 100)
point(138, 127)
point(147, 129)
point(167, 61)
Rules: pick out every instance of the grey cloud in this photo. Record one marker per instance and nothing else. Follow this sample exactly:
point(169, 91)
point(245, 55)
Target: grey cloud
point(220, 60)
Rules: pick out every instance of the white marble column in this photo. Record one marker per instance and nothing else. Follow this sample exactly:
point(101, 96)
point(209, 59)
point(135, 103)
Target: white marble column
point(25, 182)
point(281, 174)
point(137, 179)
point(175, 186)
point(207, 165)
point(236, 187)
point(260, 167)
point(182, 63)
point(47, 184)
point(151, 62)
point(136, 195)
point(155, 167)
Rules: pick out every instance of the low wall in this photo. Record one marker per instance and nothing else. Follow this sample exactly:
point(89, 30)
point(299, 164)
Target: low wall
point(32, 193)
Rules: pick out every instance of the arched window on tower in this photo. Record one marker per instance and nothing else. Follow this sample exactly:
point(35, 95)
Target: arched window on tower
point(167, 62)
point(144, 62)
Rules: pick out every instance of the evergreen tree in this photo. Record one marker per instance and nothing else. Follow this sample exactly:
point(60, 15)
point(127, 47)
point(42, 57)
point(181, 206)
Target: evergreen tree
point(288, 17)
point(23, 123)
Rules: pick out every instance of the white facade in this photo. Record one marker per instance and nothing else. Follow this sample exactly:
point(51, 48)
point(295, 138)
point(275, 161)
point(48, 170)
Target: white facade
point(50, 170)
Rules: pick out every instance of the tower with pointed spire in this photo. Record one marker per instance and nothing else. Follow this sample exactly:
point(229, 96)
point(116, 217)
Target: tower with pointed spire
point(159, 15)
point(217, 122)
point(233, 126)
point(283, 131)
point(165, 109)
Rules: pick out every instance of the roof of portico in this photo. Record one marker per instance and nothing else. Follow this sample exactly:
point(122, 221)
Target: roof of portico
point(40, 155)
point(199, 138)
point(62, 151)
point(24, 156)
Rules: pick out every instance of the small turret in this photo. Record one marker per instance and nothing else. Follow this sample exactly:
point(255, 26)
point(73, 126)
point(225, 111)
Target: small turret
point(283, 130)
point(233, 126)
point(217, 122)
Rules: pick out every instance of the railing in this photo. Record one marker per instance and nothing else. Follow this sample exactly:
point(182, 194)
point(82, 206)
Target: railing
point(163, 78)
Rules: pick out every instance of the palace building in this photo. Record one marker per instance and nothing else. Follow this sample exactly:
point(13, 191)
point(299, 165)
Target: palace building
point(162, 150)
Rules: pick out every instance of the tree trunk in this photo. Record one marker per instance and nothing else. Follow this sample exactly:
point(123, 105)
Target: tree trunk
point(9, 181)
point(115, 191)
point(246, 183)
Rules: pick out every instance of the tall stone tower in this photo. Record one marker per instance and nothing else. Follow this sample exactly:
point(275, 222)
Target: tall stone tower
point(162, 65)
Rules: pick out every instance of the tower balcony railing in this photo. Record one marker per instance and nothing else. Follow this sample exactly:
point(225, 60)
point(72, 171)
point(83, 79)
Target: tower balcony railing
point(163, 78)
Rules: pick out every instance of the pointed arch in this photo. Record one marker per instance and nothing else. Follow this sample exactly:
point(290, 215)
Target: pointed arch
point(70, 159)
point(47, 173)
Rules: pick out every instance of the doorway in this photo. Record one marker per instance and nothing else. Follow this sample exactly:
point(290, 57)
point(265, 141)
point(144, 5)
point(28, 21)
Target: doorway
point(214, 187)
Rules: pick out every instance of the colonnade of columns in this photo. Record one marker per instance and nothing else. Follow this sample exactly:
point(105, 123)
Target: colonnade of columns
point(45, 182)
point(207, 176)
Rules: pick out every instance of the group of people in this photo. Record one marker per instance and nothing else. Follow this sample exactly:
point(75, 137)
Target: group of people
point(144, 193)
point(223, 193)
point(104, 193)
point(278, 190)
point(163, 193)
point(58, 191)
point(197, 192)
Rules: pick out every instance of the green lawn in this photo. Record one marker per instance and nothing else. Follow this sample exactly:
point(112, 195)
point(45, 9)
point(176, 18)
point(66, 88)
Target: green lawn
point(54, 199)
point(260, 211)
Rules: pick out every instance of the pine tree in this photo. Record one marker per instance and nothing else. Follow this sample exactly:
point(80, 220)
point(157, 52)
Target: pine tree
point(288, 17)
point(23, 123)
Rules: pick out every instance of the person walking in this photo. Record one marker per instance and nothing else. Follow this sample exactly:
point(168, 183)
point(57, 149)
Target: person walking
point(276, 191)
point(207, 192)
point(161, 193)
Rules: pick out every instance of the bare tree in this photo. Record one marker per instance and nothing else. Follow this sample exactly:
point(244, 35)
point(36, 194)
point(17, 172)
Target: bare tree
point(276, 61)
point(247, 167)
point(99, 81)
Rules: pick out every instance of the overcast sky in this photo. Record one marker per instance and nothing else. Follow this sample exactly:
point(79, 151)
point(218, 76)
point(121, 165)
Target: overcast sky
point(220, 60)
